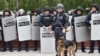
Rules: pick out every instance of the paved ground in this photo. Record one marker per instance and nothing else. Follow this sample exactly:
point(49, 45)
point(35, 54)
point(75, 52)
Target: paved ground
point(38, 53)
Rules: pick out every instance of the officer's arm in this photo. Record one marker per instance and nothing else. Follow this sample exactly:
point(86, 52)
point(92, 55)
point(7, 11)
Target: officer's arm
point(72, 21)
point(88, 18)
point(66, 19)
point(54, 23)
point(41, 21)
point(52, 20)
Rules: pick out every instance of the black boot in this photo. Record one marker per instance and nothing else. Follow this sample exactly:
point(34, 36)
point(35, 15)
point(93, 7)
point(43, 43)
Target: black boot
point(19, 49)
point(27, 50)
point(4, 47)
point(91, 52)
point(35, 45)
point(19, 46)
point(98, 51)
point(4, 50)
point(83, 51)
point(11, 50)
point(35, 49)
point(10, 44)
point(26, 46)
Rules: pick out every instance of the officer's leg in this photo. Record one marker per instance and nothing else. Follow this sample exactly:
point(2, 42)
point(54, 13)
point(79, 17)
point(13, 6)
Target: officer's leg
point(75, 41)
point(26, 46)
point(65, 52)
point(4, 43)
point(92, 43)
point(19, 46)
point(35, 45)
point(10, 45)
point(83, 47)
point(99, 46)
point(56, 45)
point(56, 40)
point(57, 35)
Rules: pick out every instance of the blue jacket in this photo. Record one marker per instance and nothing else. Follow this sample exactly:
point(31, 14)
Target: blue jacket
point(61, 19)
point(46, 20)
point(88, 18)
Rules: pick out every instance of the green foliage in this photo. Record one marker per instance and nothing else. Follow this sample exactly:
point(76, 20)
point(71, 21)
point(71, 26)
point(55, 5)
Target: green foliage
point(31, 4)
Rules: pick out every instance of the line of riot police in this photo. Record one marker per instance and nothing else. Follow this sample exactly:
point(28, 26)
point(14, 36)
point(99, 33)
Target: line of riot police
point(54, 19)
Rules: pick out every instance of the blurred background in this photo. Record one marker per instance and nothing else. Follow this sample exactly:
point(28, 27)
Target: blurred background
point(31, 4)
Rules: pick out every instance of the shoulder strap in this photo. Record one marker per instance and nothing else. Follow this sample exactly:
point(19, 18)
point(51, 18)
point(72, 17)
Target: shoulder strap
point(59, 21)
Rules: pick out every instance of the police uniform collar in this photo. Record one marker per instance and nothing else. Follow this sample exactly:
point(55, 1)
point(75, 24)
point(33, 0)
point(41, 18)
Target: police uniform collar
point(78, 14)
point(95, 12)
point(61, 13)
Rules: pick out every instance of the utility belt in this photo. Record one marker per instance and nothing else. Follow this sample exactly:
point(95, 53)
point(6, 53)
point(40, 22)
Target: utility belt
point(58, 25)
point(47, 24)
point(59, 28)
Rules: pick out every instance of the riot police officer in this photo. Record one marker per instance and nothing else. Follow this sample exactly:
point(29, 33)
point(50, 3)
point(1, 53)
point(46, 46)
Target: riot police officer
point(60, 23)
point(6, 13)
point(21, 13)
point(46, 20)
point(94, 10)
point(78, 12)
point(36, 12)
point(53, 11)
